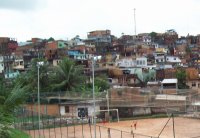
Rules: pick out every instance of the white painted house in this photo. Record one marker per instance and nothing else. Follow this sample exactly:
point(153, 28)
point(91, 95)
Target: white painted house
point(174, 60)
point(141, 62)
point(146, 39)
point(18, 64)
point(159, 59)
point(79, 109)
point(125, 63)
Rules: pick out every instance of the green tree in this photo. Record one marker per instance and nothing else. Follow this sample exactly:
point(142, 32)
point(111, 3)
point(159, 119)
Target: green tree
point(51, 39)
point(9, 101)
point(100, 85)
point(153, 36)
point(181, 76)
point(67, 76)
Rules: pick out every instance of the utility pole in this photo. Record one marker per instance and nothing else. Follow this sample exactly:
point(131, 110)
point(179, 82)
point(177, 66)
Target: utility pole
point(108, 106)
point(38, 97)
point(173, 125)
point(40, 63)
point(135, 20)
point(93, 93)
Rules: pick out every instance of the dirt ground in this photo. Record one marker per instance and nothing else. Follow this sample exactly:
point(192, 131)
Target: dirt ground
point(184, 128)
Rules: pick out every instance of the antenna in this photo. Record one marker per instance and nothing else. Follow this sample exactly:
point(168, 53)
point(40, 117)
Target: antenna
point(135, 21)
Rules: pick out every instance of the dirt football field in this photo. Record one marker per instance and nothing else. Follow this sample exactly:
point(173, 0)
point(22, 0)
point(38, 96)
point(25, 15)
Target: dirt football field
point(145, 128)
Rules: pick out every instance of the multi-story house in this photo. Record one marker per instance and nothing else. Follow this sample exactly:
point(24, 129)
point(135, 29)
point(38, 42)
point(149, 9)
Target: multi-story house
point(173, 60)
point(25, 52)
point(159, 54)
point(33, 48)
point(191, 40)
point(193, 79)
point(170, 37)
point(165, 74)
point(140, 62)
point(55, 50)
point(74, 42)
point(76, 54)
point(102, 40)
point(181, 50)
point(198, 39)
point(181, 41)
point(145, 38)
point(7, 48)
point(125, 63)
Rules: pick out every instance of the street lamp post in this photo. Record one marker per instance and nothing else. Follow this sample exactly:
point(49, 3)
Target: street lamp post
point(107, 97)
point(93, 92)
point(38, 94)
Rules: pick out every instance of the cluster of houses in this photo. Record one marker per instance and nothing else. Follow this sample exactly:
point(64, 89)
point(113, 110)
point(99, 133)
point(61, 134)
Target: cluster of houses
point(136, 66)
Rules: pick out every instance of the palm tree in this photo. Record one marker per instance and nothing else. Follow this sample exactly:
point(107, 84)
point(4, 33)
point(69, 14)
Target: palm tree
point(67, 75)
point(9, 101)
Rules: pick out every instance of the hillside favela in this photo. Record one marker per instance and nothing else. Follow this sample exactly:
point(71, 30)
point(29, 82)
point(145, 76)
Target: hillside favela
point(133, 86)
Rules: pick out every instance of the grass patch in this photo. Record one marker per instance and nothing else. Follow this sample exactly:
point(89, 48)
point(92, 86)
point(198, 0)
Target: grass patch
point(19, 134)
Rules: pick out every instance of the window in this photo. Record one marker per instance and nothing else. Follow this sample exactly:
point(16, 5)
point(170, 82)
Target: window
point(143, 62)
point(193, 84)
point(66, 109)
point(174, 58)
point(140, 62)
point(82, 112)
point(199, 85)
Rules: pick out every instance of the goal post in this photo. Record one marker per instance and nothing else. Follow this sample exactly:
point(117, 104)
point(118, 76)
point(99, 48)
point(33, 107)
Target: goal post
point(116, 110)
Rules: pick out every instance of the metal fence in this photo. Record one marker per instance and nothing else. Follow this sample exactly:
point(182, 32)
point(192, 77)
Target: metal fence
point(73, 127)
point(63, 127)
point(106, 132)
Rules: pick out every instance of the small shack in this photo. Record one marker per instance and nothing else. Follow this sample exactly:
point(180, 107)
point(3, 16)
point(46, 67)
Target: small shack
point(169, 86)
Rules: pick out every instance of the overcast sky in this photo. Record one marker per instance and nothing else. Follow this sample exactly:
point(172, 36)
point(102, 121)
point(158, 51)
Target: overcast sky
point(64, 19)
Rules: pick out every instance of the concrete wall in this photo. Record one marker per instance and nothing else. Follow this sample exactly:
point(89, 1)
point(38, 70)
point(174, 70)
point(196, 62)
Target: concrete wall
point(194, 85)
point(169, 91)
point(141, 111)
point(56, 62)
point(73, 110)
point(51, 109)
point(71, 113)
